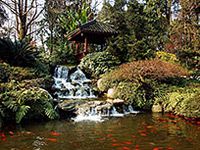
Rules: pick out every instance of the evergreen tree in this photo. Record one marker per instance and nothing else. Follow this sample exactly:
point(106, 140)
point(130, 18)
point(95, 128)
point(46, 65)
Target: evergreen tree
point(185, 34)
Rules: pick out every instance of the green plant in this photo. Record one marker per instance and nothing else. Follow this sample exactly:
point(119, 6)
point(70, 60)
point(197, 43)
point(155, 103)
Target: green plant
point(137, 94)
point(168, 57)
point(98, 63)
point(63, 55)
point(18, 53)
point(180, 100)
point(28, 103)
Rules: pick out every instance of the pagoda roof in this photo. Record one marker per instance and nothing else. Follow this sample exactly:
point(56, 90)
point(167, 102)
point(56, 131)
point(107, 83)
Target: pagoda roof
point(96, 32)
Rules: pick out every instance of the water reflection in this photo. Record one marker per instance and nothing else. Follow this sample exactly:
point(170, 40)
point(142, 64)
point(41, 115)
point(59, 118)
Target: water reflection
point(142, 132)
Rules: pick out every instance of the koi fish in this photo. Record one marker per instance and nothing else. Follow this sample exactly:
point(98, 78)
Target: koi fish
point(54, 133)
point(52, 140)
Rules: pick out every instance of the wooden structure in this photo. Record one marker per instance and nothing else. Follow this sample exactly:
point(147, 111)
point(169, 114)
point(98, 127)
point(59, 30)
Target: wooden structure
point(92, 32)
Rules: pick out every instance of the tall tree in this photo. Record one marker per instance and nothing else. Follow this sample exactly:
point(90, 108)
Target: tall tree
point(26, 12)
point(62, 17)
point(185, 33)
point(52, 10)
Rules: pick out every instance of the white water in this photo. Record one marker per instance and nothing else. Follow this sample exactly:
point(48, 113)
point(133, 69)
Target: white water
point(73, 85)
point(94, 115)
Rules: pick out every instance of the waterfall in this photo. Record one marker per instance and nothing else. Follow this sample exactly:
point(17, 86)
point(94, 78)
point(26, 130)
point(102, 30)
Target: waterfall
point(95, 114)
point(71, 84)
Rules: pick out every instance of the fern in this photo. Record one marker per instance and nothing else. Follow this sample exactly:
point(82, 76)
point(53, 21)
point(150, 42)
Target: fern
point(49, 111)
point(18, 53)
point(22, 111)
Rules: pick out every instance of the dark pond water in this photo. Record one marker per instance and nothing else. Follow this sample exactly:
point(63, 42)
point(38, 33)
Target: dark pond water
point(140, 132)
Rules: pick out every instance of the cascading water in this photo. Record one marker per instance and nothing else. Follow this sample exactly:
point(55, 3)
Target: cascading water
point(73, 85)
point(100, 113)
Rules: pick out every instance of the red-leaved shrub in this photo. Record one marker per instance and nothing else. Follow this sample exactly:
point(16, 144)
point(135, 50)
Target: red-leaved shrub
point(148, 69)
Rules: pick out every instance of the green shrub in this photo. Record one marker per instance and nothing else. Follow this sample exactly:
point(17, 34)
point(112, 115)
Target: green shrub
point(139, 95)
point(98, 63)
point(28, 103)
point(168, 57)
point(4, 72)
point(9, 73)
point(140, 82)
point(181, 101)
point(190, 58)
point(62, 55)
point(18, 53)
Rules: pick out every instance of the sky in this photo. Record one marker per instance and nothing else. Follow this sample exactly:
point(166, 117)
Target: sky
point(99, 2)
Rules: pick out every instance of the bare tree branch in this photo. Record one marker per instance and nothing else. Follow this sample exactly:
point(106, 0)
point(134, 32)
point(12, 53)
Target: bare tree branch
point(26, 13)
point(9, 6)
point(35, 16)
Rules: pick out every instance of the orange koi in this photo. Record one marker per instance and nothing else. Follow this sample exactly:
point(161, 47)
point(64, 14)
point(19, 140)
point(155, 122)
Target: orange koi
point(54, 133)
point(52, 139)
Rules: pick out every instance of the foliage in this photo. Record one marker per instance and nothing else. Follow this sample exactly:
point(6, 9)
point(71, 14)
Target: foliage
point(98, 63)
point(190, 58)
point(18, 53)
point(137, 94)
point(181, 101)
point(62, 55)
point(4, 74)
point(168, 57)
point(138, 71)
point(139, 82)
point(28, 103)
point(61, 18)
point(142, 28)
point(9, 73)
point(21, 93)
point(184, 34)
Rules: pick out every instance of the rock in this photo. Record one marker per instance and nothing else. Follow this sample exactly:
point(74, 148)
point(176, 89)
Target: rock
point(115, 101)
point(99, 83)
point(69, 105)
point(110, 93)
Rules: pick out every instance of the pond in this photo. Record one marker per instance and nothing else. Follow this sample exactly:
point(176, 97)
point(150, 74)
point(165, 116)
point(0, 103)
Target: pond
point(133, 132)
